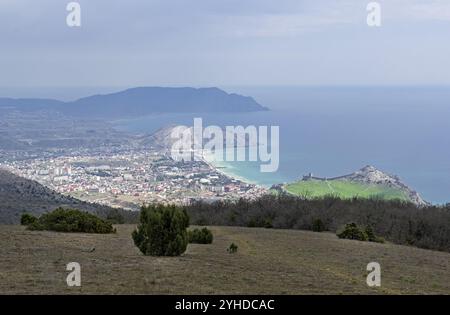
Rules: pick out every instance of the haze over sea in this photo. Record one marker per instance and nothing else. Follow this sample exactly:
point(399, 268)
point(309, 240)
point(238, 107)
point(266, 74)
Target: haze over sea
point(332, 131)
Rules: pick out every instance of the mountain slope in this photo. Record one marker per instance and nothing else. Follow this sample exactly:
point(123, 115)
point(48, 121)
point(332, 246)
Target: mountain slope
point(365, 183)
point(19, 195)
point(141, 101)
point(164, 138)
point(147, 100)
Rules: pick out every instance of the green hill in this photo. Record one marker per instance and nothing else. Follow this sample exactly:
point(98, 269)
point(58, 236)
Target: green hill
point(345, 190)
point(367, 182)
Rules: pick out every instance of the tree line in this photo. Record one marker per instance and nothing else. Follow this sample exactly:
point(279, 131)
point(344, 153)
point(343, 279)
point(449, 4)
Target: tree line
point(396, 221)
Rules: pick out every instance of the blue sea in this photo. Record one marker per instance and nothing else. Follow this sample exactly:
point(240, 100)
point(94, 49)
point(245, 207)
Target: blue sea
point(332, 131)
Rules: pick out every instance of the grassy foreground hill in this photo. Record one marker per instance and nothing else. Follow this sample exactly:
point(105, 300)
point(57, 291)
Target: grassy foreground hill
point(268, 261)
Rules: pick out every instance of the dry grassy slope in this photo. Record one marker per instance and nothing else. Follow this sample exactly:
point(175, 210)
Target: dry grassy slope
point(19, 195)
point(268, 261)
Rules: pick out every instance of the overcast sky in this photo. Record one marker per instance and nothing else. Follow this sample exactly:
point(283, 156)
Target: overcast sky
point(224, 42)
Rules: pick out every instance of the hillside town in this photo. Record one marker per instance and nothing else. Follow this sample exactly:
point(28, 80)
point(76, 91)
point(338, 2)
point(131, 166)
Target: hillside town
point(133, 177)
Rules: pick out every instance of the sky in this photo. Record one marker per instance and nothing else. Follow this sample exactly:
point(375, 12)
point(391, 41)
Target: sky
point(223, 43)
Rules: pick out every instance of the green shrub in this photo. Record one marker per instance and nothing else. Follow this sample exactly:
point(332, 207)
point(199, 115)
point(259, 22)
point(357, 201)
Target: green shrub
point(115, 217)
point(232, 249)
point(260, 222)
point(353, 232)
point(268, 223)
point(318, 226)
point(71, 220)
point(371, 237)
point(162, 231)
point(200, 221)
point(27, 219)
point(252, 223)
point(203, 236)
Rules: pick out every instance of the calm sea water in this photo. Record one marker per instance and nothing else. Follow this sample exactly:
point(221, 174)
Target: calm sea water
point(334, 131)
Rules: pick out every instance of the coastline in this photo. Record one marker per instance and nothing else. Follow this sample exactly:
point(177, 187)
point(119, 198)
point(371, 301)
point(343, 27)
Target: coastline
point(219, 167)
point(222, 167)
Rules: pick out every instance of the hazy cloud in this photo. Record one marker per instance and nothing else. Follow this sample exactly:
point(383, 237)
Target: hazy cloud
point(205, 42)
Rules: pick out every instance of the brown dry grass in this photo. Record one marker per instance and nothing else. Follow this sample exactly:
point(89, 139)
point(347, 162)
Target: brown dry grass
point(267, 262)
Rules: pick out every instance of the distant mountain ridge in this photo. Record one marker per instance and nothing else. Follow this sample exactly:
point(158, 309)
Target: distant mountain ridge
point(142, 101)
